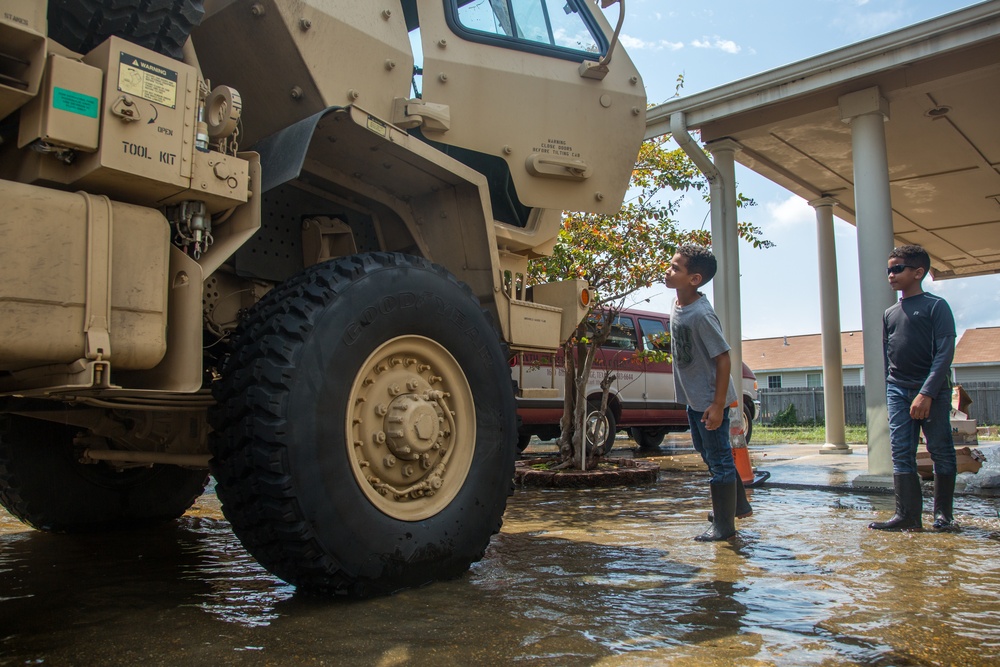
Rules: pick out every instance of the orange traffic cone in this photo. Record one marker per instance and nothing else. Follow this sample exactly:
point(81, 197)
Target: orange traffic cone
point(738, 441)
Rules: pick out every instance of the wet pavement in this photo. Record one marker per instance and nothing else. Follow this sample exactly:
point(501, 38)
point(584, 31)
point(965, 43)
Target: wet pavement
point(576, 577)
point(804, 466)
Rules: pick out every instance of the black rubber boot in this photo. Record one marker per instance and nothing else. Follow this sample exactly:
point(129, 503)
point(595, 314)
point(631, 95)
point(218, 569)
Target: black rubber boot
point(909, 505)
point(724, 513)
point(743, 507)
point(944, 497)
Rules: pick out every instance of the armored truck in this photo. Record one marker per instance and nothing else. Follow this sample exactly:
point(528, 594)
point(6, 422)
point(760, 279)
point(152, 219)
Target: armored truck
point(284, 243)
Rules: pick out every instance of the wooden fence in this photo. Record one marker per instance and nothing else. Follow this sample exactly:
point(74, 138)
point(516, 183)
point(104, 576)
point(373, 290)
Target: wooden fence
point(985, 407)
point(808, 401)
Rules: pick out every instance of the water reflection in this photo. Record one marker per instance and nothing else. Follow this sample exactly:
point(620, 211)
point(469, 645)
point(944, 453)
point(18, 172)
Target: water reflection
point(602, 577)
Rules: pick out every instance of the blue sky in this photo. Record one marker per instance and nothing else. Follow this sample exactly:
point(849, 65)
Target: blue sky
point(726, 40)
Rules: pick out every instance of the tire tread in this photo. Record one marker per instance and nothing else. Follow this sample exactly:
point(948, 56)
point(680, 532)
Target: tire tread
point(250, 459)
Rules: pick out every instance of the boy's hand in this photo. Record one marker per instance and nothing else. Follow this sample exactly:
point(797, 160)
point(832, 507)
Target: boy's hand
point(920, 408)
point(712, 417)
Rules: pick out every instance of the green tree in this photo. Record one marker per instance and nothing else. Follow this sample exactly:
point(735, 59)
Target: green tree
point(619, 254)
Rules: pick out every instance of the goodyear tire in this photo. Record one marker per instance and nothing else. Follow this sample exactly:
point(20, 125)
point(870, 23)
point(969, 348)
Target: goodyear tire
point(43, 484)
point(647, 437)
point(160, 25)
point(365, 432)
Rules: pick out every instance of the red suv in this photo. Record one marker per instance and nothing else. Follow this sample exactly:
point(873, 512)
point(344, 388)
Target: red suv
point(641, 398)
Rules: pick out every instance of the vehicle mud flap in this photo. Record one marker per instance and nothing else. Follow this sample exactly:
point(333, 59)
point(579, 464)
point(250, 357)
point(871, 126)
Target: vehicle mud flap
point(741, 454)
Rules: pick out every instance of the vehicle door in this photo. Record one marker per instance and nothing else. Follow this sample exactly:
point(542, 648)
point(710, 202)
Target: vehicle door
point(618, 355)
point(659, 394)
point(509, 74)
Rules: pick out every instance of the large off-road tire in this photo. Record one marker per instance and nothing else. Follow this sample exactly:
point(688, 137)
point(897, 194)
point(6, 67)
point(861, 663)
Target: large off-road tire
point(365, 433)
point(43, 484)
point(160, 25)
point(648, 437)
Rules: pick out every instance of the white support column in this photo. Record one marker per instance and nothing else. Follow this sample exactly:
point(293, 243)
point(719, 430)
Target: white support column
point(866, 111)
point(829, 301)
point(725, 241)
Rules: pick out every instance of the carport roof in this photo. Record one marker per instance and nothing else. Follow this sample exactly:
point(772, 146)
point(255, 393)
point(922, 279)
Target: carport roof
point(942, 80)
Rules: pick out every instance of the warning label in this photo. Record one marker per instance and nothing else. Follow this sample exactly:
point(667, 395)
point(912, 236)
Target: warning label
point(147, 80)
point(74, 102)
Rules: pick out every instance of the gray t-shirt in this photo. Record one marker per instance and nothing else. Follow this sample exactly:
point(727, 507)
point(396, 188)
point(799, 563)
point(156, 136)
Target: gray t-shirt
point(695, 341)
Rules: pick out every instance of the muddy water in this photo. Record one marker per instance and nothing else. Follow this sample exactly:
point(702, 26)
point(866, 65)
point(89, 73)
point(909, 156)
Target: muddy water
point(606, 577)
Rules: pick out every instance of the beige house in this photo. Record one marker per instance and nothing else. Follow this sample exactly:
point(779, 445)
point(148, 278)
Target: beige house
point(797, 361)
point(977, 356)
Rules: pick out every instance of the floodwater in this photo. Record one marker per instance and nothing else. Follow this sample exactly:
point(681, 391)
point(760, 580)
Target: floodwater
point(601, 577)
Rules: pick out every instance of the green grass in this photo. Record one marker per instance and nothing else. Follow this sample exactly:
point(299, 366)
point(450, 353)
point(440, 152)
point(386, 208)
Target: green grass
point(806, 434)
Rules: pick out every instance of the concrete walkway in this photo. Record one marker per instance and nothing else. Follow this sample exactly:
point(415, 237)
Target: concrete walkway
point(801, 465)
point(804, 466)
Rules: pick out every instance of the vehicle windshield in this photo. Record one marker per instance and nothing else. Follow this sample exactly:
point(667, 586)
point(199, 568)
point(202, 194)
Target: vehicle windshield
point(558, 23)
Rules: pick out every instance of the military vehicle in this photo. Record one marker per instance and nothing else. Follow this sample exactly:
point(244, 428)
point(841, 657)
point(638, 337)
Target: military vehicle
point(285, 243)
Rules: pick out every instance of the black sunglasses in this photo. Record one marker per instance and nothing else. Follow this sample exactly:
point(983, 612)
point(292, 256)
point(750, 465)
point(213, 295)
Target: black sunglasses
point(899, 268)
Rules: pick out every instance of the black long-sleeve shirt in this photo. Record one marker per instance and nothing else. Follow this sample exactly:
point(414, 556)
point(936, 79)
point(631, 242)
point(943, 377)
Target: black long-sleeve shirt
point(918, 341)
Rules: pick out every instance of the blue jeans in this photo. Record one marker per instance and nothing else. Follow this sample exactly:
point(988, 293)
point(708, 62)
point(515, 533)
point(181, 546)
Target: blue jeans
point(714, 447)
point(904, 431)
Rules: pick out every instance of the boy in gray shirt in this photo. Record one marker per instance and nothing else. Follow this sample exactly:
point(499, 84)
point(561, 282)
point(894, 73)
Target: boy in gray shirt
point(701, 369)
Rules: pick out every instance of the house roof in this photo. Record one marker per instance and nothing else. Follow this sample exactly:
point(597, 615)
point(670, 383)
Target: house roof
point(977, 346)
point(786, 353)
point(799, 352)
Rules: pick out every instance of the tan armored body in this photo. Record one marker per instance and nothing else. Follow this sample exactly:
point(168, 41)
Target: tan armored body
point(290, 250)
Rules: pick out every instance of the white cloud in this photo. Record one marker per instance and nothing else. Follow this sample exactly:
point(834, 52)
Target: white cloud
point(791, 212)
point(725, 45)
point(636, 44)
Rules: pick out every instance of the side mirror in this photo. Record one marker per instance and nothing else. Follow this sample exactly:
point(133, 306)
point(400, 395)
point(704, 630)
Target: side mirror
point(599, 70)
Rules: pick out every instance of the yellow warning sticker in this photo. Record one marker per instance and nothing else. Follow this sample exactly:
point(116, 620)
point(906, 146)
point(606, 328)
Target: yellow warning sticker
point(378, 127)
point(147, 80)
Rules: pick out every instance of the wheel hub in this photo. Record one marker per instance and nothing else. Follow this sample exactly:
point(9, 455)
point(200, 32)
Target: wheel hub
point(411, 427)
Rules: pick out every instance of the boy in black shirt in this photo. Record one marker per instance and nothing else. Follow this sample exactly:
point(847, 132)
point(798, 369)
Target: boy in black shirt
point(918, 340)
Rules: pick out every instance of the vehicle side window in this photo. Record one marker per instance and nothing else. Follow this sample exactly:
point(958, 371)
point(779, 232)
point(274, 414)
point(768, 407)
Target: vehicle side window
point(622, 336)
point(559, 27)
point(654, 335)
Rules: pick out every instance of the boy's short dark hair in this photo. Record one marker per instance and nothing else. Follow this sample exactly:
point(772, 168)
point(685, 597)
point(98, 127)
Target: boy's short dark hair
point(913, 255)
point(699, 260)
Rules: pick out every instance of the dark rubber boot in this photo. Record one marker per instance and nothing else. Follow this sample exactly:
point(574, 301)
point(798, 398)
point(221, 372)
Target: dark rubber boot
point(724, 513)
point(944, 497)
point(909, 505)
point(743, 508)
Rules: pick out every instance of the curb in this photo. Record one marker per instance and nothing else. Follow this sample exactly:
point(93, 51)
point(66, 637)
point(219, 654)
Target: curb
point(626, 472)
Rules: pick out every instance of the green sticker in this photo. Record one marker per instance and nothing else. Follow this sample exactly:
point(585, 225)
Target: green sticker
point(74, 102)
